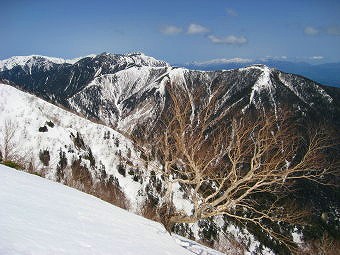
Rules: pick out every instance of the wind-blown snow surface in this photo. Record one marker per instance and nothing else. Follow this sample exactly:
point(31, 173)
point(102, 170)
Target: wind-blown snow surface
point(38, 216)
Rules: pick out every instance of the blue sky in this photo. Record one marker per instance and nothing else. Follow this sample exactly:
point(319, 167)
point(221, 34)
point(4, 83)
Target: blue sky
point(176, 31)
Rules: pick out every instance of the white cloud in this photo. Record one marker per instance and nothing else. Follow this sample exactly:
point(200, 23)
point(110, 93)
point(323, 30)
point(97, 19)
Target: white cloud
point(311, 30)
point(230, 39)
point(197, 29)
point(223, 61)
point(279, 58)
point(171, 30)
point(330, 30)
point(334, 30)
point(231, 12)
point(317, 57)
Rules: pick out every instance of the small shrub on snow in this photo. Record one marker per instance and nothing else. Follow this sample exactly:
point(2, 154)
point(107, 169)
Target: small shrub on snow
point(117, 142)
point(44, 156)
point(38, 174)
point(103, 174)
point(81, 174)
point(79, 142)
point(50, 124)
point(43, 129)
point(128, 154)
point(89, 156)
point(121, 169)
point(61, 166)
point(149, 209)
point(111, 192)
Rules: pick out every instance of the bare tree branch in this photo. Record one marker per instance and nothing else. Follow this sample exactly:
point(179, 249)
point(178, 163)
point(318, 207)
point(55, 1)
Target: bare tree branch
point(228, 161)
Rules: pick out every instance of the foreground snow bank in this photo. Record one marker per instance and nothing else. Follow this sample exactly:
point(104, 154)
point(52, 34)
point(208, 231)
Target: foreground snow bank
point(38, 216)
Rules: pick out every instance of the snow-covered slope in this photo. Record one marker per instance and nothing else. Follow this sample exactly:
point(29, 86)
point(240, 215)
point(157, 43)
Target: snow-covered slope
point(129, 93)
point(138, 94)
point(124, 98)
point(116, 159)
point(38, 216)
point(26, 114)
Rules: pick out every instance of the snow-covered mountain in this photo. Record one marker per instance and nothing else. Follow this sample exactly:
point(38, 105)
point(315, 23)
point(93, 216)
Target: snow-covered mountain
point(38, 216)
point(73, 121)
point(64, 147)
point(327, 73)
point(125, 90)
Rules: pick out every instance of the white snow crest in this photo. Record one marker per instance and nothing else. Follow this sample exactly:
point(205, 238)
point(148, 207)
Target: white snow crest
point(31, 60)
point(263, 84)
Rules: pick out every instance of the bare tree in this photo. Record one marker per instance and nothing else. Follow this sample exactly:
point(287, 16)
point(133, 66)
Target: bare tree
point(8, 143)
point(228, 163)
point(326, 245)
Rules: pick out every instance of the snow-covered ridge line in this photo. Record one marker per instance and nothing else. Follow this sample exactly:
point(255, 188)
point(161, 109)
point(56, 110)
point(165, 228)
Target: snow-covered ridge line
point(135, 57)
point(220, 61)
point(9, 63)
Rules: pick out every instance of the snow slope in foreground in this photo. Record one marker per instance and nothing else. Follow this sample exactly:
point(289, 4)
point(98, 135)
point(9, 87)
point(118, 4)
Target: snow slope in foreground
point(38, 216)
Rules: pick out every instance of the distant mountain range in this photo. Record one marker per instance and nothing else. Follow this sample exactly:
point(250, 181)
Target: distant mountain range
point(123, 90)
point(327, 74)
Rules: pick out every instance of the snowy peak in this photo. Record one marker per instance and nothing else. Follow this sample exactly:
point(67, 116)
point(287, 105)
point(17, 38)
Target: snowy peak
point(261, 67)
point(12, 62)
point(273, 87)
point(139, 59)
point(122, 89)
point(124, 97)
point(31, 60)
point(263, 84)
point(58, 79)
point(127, 60)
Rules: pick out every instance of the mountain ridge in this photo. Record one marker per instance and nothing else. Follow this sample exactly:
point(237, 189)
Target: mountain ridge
point(115, 88)
point(130, 95)
point(325, 73)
